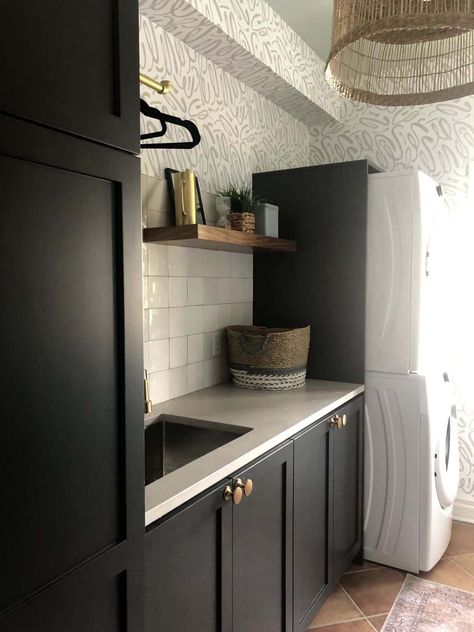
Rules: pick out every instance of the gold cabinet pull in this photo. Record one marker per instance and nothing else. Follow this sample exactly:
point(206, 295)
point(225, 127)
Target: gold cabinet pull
point(246, 487)
point(236, 494)
point(336, 422)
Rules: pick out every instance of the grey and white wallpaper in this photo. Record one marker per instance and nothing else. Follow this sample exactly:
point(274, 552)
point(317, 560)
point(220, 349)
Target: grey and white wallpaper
point(241, 130)
point(439, 140)
point(249, 40)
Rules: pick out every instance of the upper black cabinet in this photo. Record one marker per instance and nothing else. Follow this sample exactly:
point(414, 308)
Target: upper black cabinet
point(73, 66)
point(71, 444)
point(323, 284)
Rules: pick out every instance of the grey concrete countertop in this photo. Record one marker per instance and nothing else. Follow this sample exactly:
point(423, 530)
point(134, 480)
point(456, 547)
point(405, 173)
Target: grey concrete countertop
point(273, 416)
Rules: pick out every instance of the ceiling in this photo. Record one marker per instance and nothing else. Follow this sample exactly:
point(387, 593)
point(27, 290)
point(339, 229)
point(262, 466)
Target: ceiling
point(311, 19)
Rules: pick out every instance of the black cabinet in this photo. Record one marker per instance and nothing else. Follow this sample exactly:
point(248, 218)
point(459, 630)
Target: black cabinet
point(313, 502)
point(262, 546)
point(269, 562)
point(323, 284)
point(348, 468)
point(327, 507)
point(73, 66)
point(71, 444)
point(189, 568)
point(216, 566)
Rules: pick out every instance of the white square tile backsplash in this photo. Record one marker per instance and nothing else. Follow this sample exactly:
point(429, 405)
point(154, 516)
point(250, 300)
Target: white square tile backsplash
point(178, 351)
point(190, 295)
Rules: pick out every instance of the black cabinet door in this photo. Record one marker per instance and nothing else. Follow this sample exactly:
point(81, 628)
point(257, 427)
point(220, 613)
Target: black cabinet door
point(189, 568)
point(312, 517)
point(73, 66)
point(262, 545)
point(71, 442)
point(347, 463)
point(92, 599)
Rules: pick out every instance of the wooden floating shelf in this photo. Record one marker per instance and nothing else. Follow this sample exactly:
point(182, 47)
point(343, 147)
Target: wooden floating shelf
point(213, 238)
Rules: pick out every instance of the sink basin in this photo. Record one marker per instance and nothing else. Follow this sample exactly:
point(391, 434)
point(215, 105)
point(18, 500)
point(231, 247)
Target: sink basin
point(171, 444)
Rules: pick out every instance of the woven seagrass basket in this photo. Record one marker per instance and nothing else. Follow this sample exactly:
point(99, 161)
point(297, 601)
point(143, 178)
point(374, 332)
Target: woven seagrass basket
point(245, 222)
point(268, 359)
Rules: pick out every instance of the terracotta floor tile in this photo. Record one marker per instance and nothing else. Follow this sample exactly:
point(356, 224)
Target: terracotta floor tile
point(378, 621)
point(366, 566)
point(462, 539)
point(374, 592)
point(338, 607)
point(445, 572)
point(350, 626)
point(466, 562)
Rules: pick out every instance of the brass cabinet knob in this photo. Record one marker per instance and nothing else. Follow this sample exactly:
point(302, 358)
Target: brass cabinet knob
point(246, 487)
point(236, 494)
point(336, 422)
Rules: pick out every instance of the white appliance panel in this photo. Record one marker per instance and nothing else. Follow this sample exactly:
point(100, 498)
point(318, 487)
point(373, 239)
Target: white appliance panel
point(389, 253)
point(392, 448)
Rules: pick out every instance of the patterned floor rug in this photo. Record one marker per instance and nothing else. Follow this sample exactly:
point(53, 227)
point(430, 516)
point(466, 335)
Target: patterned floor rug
point(424, 606)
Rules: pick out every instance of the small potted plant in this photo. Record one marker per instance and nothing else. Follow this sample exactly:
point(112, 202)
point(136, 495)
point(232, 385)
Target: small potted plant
point(243, 203)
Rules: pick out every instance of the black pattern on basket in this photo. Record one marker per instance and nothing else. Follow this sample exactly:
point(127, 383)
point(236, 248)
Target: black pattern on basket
point(270, 359)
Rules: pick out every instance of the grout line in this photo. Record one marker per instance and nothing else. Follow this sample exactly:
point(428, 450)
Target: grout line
point(347, 594)
point(453, 560)
point(375, 614)
point(370, 623)
point(363, 570)
point(323, 625)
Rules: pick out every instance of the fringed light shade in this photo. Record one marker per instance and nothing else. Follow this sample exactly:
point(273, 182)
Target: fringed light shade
point(402, 52)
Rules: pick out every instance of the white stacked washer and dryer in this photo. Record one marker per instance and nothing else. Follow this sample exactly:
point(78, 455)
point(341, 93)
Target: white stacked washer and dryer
point(412, 454)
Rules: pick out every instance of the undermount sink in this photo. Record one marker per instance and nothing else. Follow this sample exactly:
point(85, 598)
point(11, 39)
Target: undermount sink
point(171, 444)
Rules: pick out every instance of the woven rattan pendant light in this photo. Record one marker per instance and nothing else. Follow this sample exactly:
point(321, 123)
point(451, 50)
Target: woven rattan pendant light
point(402, 52)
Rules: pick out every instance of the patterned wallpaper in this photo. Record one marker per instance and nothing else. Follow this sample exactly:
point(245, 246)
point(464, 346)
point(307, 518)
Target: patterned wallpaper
point(242, 131)
point(439, 140)
point(250, 40)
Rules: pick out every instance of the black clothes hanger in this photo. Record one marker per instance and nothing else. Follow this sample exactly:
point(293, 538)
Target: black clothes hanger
point(166, 119)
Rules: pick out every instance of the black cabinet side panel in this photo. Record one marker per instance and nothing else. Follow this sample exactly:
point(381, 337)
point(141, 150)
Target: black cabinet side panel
point(323, 284)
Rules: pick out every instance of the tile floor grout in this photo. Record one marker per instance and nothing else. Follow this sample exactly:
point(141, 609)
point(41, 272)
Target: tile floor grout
point(323, 625)
point(453, 560)
point(451, 573)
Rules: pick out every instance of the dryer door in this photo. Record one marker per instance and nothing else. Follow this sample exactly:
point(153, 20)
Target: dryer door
point(447, 461)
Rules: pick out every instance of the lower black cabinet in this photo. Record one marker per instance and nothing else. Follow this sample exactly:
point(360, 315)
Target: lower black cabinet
point(312, 518)
point(269, 561)
point(262, 546)
point(348, 468)
point(189, 568)
point(216, 566)
point(327, 507)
